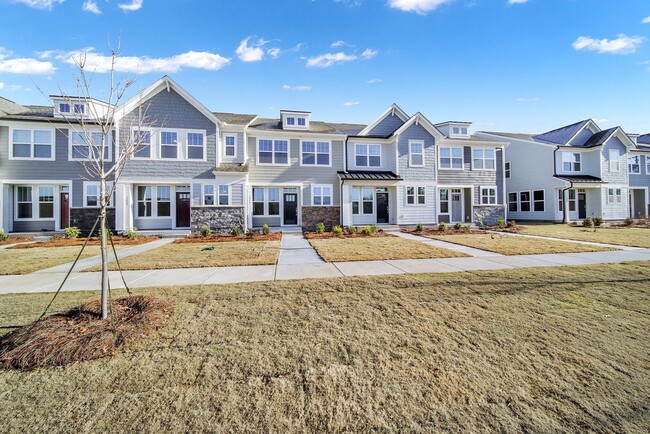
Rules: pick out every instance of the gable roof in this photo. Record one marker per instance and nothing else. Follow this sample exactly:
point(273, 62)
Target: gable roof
point(393, 109)
point(562, 135)
point(599, 138)
point(235, 118)
point(8, 107)
point(419, 119)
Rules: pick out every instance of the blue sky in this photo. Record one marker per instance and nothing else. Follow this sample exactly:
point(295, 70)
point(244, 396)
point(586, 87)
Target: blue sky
point(507, 65)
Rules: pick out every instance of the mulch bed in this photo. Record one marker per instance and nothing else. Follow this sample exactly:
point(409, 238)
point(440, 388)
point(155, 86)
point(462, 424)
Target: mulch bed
point(275, 236)
point(94, 241)
point(448, 231)
point(80, 334)
point(326, 235)
point(13, 240)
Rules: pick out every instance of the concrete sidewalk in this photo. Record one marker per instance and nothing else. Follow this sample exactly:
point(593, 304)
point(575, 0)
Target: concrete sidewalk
point(589, 243)
point(478, 253)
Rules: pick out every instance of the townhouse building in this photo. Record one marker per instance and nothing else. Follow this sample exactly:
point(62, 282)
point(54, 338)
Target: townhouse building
point(639, 175)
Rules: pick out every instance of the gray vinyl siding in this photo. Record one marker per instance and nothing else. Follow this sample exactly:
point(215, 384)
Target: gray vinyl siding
point(152, 223)
point(295, 174)
point(408, 173)
point(582, 137)
point(273, 221)
point(239, 147)
point(619, 177)
point(237, 195)
point(387, 157)
point(170, 110)
point(413, 214)
point(33, 226)
point(476, 178)
point(643, 178)
point(387, 126)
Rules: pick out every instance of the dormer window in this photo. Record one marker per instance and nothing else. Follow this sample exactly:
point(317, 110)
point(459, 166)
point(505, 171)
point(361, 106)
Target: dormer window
point(291, 121)
point(463, 131)
point(301, 122)
point(78, 108)
point(456, 130)
point(294, 120)
point(64, 108)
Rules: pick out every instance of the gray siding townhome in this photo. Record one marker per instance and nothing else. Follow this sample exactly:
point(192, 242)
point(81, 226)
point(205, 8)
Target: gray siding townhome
point(639, 173)
point(575, 171)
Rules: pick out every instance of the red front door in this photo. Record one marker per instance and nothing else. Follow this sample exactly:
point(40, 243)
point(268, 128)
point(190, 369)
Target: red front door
point(182, 210)
point(65, 210)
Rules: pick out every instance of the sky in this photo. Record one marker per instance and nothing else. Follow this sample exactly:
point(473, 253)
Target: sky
point(505, 65)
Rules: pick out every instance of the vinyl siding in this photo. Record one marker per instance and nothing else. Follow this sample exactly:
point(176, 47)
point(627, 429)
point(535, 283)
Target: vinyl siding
point(387, 126)
point(387, 157)
point(408, 173)
point(621, 176)
point(259, 221)
point(239, 147)
point(589, 162)
point(643, 178)
point(476, 178)
point(413, 214)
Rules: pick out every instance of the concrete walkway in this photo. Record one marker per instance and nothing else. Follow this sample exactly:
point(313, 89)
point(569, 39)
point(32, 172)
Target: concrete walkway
point(445, 245)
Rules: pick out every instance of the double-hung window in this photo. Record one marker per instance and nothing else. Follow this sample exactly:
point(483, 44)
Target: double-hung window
point(416, 153)
point(367, 155)
point(145, 201)
point(91, 194)
point(230, 146)
point(634, 164)
point(224, 195)
point(142, 143)
point(169, 145)
point(33, 144)
point(451, 158)
point(85, 145)
point(24, 202)
point(208, 195)
point(163, 201)
point(291, 120)
point(572, 200)
point(46, 202)
point(195, 146)
point(356, 208)
point(488, 195)
point(483, 159)
point(614, 160)
point(273, 152)
point(512, 202)
point(274, 201)
point(571, 162)
point(30, 206)
point(315, 153)
point(64, 107)
point(507, 169)
point(321, 195)
point(367, 200)
point(614, 195)
point(415, 195)
point(80, 108)
point(524, 201)
point(258, 201)
point(444, 201)
point(301, 122)
point(538, 200)
point(560, 200)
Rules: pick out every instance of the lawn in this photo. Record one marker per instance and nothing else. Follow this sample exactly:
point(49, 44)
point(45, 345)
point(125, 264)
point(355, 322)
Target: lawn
point(501, 351)
point(195, 255)
point(514, 245)
point(377, 249)
point(634, 237)
point(24, 261)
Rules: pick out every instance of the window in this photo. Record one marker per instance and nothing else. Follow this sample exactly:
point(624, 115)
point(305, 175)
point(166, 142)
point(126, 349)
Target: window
point(273, 152)
point(64, 108)
point(145, 204)
point(208, 195)
point(483, 159)
point(463, 131)
point(258, 201)
point(163, 201)
point(507, 169)
point(24, 202)
point(456, 130)
point(614, 160)
point(301, 122)
point(614, 195)
point(274, 201)
point(315, 153)
point(169, 144)
point(367, 155)
point(634, 164)
point(367, 200)
point(512, 202)
point(36, 144)
point(80, 149)
point(142, 144)
point(195, 146)
point(571, 162)
point(451, 158)
point(224, 195)
point(91, 194)
point(444, 201)
point(416, 153)
point(560, 201)
point(79, 108)
point(572, 200)
point(415, 195)
point(538, 200)
point(321, 195)
point(524, 201)
point(647, 164)
point(488, 195)
point(291, 121)
point(355, 201)
point(230, 148)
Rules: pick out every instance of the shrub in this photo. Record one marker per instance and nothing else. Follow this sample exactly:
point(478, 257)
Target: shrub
point(4, 236)
point(320, 227)
point(72, 232)
point(419, 227)
point(367, 230)
point(337, 230)
point(512, 224)
point(373, 228)
point(132, 233)
point(628, 222)
point(206, 231)
point(598, 220)
point(442, 226)
point(236, 231)
point(458, 226)
point(588, 222)
point(352, 230)
point(501, 224)
point(642, 222)
point(266, 229)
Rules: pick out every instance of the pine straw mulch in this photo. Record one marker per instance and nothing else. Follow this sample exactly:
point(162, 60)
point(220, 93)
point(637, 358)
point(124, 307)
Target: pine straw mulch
point(195, 238)
point(94, 241)
point(80, 334)
point(13, 240)
point(327, 235)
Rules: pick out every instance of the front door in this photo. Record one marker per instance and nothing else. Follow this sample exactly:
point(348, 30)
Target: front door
point(182, 209)
point(456, 207)
point(382, 207)
point(65, 210)
point(582, 205)
point(290, 208)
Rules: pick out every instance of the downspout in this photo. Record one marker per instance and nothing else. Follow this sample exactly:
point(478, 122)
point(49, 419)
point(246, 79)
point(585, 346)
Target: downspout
point(565, 208)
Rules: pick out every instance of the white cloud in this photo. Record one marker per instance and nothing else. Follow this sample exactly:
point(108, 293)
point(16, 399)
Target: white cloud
point(273, 52)
point(418, 6)
point(23, 65)
point(623, 44)
point(39, 4)
point(523, 99)
point(2, 85)
point(369, 53)
point(374, 81)
point(351, 103)
point(602, 121)
point(301, 88)
point(142, 65)
point(133, 6)
point(251, 53)
point(340, 43)
point(329, 59)
point(646, 20)
point(517, 2)
point(91, 6)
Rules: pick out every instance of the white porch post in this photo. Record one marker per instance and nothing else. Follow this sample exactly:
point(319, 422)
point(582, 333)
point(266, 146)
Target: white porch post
point(346, 207)
point(2, 206)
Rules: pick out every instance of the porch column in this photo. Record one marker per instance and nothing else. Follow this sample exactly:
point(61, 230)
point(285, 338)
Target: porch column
point(346, 206)
point(2, 207)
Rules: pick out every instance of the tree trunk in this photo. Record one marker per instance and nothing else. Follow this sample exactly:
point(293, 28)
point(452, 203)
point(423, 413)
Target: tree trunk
point(104, 250)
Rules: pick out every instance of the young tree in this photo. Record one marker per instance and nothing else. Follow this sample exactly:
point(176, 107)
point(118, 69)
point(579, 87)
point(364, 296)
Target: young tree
point(94, 130)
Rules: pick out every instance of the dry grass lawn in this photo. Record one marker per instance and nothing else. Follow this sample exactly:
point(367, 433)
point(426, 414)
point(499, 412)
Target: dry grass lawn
point(377, 249)
point(24, 261)
point(502, 351)
point(192, 255)
point(634, 237)
point(514, 245)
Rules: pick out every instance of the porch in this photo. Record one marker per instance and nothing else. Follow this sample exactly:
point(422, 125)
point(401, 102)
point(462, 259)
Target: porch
point(154, 206)
point(35, 206)
point(639, 207)
point(455, 204)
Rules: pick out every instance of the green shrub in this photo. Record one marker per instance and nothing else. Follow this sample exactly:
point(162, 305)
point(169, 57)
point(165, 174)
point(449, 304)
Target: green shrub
point(72, 232)
point(367, 230)
point(442, 226)
point(266, 229)
point(132, 233)
point(419, 227)
point(206, 231)
point(458, 226)
point(4, 236)
point(337, 230)
point(320, 227)
point(236, 231)
point(352, 230)
point(501, 224)
point(373, 228)
point(628, 222)
point(588, 222)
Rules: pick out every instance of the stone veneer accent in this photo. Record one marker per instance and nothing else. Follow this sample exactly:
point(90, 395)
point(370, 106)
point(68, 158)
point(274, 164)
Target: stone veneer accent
point(84, 218)
point(312, 215)
point(220, 219)
point(487, 215)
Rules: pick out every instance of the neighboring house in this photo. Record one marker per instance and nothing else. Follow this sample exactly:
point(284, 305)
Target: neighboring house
point(639, 170)
point(578, 169)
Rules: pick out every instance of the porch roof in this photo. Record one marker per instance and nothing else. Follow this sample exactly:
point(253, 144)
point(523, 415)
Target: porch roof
point(359, 175)
point(581, 179)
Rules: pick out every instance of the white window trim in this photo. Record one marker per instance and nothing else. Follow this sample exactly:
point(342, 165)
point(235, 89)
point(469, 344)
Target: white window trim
point(647, 164)
point(267, 201)
point(152, 144)
point(532, 199)
point(416, 195)
point(484, 159)
point(35, 202)
point(32, 129)
point(440, 201)
point(507, 170)
point(573, 162)
point(614, 161)
point(187, 145)
point(216, 195)
point(529, 201)
point(108, 140)
point(330, 186)
point(367, 155)
point(516, 202)
point(160, 145)
point(257, 152)
point(85, 193)
point(316, 153)
point(629, 166)
point(154, 207)
point(496, 195)
point(156, 201)
point(411, 153)
point(451, 158)
point(234, 136)
point(618, 198)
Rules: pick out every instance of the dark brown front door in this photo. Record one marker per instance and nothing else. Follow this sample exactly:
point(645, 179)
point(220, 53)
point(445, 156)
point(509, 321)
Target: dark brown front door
point(582, 205)
point(65, 210)
point(290, 208)
point(182, 210)
point(382, 207)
